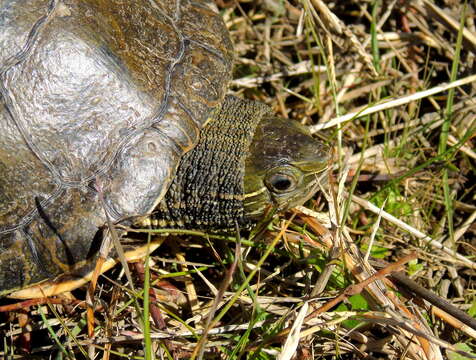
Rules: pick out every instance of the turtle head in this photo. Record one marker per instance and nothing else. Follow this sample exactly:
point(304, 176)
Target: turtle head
point(245, 162)
point(284, 167)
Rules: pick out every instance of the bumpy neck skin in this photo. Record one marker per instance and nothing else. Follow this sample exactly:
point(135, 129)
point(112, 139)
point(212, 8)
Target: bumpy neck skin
point(207, 191)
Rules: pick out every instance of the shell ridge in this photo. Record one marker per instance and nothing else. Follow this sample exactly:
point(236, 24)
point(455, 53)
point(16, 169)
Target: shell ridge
point(218, 54)
point(9, 102)
point(28, 218)
point(31, 38)
point(156, 119)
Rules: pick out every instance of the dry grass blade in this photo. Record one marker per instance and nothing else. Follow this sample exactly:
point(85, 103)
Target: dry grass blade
point(431, 242)
point(292, 341)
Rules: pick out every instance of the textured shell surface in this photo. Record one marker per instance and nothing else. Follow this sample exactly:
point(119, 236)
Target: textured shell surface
point(96, 97)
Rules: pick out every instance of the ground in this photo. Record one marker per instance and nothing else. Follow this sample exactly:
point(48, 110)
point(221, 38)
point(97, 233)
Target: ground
point(390, 86)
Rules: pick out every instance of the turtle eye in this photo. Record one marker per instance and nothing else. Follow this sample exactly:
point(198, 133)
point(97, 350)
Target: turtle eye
point(281, 182)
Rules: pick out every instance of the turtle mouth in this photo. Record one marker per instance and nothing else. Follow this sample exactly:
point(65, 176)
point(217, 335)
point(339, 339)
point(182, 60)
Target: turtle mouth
point(319, 180)
point(270, 195)
point(315, 181)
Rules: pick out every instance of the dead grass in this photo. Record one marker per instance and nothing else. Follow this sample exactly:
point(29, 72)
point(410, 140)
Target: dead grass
point(320, 282)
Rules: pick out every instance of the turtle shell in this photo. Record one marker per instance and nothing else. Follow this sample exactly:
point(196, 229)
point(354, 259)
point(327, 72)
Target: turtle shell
point(98, 100)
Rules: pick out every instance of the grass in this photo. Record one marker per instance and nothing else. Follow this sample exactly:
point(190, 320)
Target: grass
point(390, 86)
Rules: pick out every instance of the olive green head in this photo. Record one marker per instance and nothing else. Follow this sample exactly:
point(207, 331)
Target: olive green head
point(284, 167)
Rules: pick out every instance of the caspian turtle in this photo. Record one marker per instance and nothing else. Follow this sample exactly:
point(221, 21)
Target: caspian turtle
point(112, 97)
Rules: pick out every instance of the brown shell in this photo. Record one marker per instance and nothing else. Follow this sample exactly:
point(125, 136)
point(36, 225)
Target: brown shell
point(96, 96)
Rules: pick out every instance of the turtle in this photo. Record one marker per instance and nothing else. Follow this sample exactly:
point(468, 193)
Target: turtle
point(119, 110)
